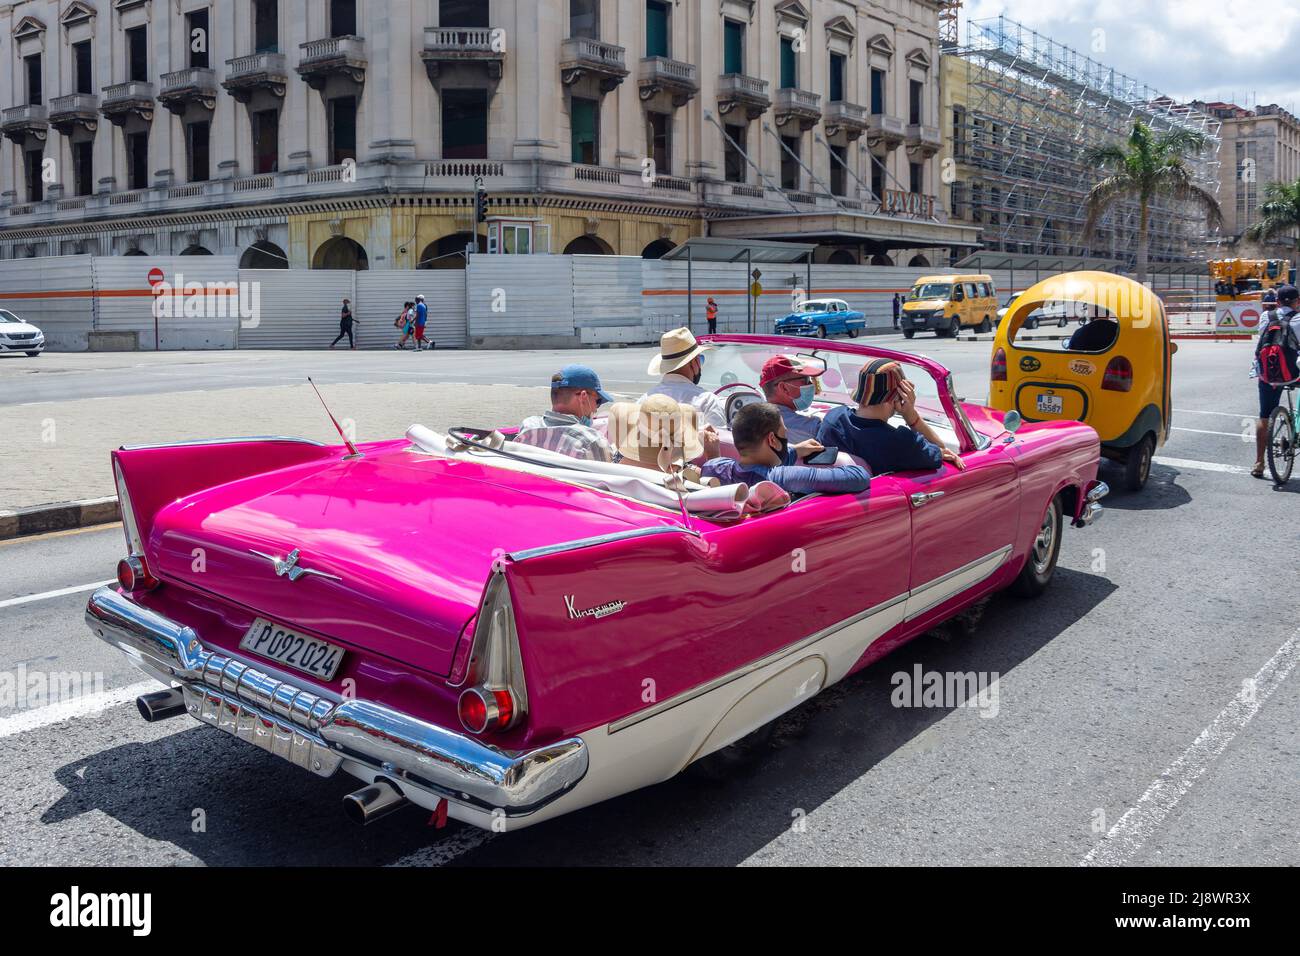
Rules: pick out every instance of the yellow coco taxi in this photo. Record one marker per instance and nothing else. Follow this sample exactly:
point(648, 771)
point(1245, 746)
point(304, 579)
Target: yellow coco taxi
point(945, 305)
point(1113, 372)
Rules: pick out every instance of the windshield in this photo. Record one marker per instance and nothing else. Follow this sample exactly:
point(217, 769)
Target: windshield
point(930, 290)
point(6, 316)
point(816, 306)
point(739, 365)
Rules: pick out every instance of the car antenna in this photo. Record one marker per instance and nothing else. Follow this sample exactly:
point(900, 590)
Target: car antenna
point(352, 449)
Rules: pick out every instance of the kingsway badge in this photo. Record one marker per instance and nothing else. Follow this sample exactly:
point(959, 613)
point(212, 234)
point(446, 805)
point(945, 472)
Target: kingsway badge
point(601, 610)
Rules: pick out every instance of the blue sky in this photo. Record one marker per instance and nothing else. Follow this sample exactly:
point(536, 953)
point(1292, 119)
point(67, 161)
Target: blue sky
point(1242, 52)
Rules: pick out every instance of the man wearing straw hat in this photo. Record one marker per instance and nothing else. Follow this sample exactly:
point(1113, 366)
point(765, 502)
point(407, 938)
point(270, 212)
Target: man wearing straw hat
point(681, 362)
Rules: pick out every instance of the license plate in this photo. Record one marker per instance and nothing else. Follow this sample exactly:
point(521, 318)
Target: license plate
point(310, 655)
point(1051, 404)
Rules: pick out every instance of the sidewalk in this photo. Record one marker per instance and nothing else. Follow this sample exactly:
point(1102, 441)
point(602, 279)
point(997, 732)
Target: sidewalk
point(59, 451)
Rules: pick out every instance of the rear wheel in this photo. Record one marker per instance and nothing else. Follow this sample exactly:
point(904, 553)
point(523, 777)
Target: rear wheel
point(821, 332)
point(1281, 445)
point(986, 325)
point(1041, 562)
point(908, 333)
point(853, 333)
point(1062, 322)
point(1137, 464)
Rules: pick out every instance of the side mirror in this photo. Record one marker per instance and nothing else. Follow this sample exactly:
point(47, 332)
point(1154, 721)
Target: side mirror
point(1012, 422)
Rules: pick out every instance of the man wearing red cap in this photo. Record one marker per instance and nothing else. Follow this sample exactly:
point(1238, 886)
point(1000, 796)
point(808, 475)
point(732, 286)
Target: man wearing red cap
point(789, 385)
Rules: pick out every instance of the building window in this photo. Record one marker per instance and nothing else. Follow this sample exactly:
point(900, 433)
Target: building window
point(915, 92)
point(656, 28)
point(463, 13)
point(464, 124)
point(878, 92)
point(199, 39)
point(790, 167)
point(83, 167)
point(837, 78)
point(343, 18)
point(839, 179)
point(266, 141)
point(585, 120)
point(877, 178)
point(659, 140)
point(916, 177)
point(266, 26)
point(83, 78)
point(35, 187)
point(196, 147)
point(137, 160)
point(734, 165)
point(733, 47)
point(343, 129)
point(789, 64)
point(137, 54)
point(959, 132)
point(517, 239)
point(33, 66)
point(584, 19)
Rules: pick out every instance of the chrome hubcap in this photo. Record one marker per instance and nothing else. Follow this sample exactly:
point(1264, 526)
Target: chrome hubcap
point(1043, 543)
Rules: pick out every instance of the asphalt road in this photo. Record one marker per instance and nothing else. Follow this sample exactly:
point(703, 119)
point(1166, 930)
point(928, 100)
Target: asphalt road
point(1149, 692)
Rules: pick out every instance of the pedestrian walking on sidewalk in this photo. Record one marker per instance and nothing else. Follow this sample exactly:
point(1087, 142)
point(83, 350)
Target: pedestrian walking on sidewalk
point(421, 319)
point(345, 325)
point(711, 315)
point(405, 322)
point(898, 305)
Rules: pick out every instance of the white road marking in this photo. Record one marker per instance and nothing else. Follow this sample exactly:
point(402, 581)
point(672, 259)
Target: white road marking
point(1197, 411)
point(1201, 465)
point(440, 854)
point(87, 706)
point(1136, 826)
point(46, 595)
point(1204, 431)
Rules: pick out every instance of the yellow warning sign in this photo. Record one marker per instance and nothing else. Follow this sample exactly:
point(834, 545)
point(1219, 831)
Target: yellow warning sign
point(755, 290)
point(1227, 320)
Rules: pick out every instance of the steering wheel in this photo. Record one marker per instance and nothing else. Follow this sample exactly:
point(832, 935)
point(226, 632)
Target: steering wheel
point(742, 394)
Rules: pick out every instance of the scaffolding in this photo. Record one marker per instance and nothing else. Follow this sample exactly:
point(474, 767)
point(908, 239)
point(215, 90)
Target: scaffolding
point(1031, 108)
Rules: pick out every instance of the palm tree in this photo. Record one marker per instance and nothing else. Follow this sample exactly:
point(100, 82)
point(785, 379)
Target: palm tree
point(1279, 212)
point(1150, 164)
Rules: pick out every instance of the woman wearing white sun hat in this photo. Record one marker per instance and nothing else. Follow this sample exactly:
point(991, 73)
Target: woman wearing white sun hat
point(680, 362)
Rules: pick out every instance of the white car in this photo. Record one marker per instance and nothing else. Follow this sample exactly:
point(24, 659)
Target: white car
point(19, 336)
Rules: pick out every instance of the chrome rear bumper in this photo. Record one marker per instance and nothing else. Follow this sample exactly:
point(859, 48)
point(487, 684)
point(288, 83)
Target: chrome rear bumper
point(1091, 511)
point(319, 733)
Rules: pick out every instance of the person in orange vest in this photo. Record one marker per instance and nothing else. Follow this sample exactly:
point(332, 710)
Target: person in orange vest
point(711, 313)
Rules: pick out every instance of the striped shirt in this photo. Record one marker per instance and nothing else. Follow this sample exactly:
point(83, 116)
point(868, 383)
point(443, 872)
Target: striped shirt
point(559, 432)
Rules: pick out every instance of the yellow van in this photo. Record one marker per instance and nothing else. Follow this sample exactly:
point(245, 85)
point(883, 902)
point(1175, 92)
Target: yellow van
point(945, 305)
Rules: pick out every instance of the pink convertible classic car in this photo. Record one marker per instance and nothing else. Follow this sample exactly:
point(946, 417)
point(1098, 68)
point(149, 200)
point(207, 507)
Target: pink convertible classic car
point(501, 636)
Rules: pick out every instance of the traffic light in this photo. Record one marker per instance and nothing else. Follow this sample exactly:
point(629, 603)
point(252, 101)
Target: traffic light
point(481, 204)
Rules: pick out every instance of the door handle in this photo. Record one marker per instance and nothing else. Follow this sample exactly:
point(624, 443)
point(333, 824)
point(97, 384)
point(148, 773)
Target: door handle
point(925, 497)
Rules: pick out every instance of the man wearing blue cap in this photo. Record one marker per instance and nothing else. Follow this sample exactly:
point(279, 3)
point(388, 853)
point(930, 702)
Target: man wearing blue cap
point(567, 427)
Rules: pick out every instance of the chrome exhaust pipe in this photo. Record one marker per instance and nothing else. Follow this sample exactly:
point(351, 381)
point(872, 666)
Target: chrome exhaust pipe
point(161, 705)
point(370, 803)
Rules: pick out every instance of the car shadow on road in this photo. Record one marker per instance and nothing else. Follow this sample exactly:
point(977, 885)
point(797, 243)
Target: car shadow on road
point(1162, 491)
point(819, 750)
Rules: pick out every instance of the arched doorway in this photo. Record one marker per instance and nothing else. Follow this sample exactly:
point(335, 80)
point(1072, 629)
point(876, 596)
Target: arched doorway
point(195, 251)
point(841, 257)
point(447, 252)
point(880, 259)
point(135, 252)
point(657, 249)
point(341, 253)
point(588, 246)
point(919, 261)
point(264, 255)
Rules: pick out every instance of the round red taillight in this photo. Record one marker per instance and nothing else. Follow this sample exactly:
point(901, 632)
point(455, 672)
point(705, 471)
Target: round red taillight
point(133, 574)
point(482, 710)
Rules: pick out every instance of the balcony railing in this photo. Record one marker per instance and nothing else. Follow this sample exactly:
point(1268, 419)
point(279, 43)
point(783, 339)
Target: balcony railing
point(20, 122)
point(122, 100)
point(661, 75)
point(450, 45)
point(581, 56)
point(343, 56)
point(256, 71)
point(747, 92)
point(849, 117)
point(797, 106)
point(192, 85)
point(922, 139)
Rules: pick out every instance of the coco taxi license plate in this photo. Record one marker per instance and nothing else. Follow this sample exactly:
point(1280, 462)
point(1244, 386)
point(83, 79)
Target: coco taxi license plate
point(310, 655)
point(1050, 404)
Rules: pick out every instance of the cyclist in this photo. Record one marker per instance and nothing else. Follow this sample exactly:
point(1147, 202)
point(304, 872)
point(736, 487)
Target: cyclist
point(1270, 395)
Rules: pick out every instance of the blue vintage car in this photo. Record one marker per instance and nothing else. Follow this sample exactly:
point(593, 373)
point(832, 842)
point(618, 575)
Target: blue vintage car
point(822, 317)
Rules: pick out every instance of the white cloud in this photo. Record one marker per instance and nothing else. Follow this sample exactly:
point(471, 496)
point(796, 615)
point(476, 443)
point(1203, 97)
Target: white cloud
point(1236, 50)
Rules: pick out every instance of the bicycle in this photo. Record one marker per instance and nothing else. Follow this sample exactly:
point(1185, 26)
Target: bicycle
point(1283, 423)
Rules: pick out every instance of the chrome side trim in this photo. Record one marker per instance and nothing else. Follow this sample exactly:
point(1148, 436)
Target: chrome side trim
point(221, 441)
point(995, 558)
point(311, 728)
point(687, 696)
point(599, 539)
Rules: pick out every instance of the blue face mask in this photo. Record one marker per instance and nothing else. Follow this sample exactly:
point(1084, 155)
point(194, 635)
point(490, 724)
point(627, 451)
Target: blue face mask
point(805, 398)
point(585, 420)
